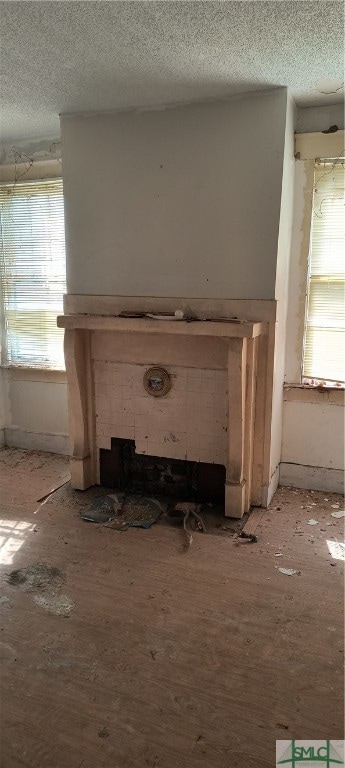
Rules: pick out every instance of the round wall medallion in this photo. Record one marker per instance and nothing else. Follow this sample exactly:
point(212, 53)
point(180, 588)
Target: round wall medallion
point(157, 382)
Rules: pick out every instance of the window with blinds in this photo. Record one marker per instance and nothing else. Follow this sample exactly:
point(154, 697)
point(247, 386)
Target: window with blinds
point(325, 333)
point(33, 272)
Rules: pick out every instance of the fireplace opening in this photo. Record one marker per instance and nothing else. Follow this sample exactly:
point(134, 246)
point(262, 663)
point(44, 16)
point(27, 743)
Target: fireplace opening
point(124, 469)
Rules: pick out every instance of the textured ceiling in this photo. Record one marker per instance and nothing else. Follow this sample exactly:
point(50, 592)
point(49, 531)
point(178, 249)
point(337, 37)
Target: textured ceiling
point(73, 56)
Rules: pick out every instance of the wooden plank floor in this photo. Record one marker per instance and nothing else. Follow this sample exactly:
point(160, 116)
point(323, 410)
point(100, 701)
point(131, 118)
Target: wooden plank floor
point(146, 656)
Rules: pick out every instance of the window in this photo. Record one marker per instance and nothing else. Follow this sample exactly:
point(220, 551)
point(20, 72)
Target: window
point(325, 333)
point(33, 272)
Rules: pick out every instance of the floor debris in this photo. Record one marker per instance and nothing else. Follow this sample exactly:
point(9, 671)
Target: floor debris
point(337, 549)
point(312, 521)
point(121, 511)
point(288, 571)
point(59, 605)
point(36, 578)
point(251, 537)
point(4, 600)
point(190, 518)
point(45, 582)
point(340, 513)
point(55, 487)
point(245, 538)
point(42, 472)
point(255, 518)
point(103, 508)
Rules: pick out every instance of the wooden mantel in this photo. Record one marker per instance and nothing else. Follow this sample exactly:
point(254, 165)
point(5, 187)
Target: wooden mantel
point(226, 329)
point(240, 339)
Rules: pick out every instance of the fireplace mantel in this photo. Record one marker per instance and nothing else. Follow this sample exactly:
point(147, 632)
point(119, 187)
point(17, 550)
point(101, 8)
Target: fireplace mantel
point(239, 348)
point(227, 329)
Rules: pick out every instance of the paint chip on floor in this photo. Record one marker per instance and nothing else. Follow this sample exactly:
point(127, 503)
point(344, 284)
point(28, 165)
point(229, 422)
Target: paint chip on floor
point(60, 605)
point(288, 571)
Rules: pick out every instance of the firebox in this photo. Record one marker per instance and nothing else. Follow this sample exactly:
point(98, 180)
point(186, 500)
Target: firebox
point(123, 468)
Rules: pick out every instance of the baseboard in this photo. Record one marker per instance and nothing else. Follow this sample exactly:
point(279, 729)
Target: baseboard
point(312, 478)
point(2, 437)
point(269, 491)
point(36, 441)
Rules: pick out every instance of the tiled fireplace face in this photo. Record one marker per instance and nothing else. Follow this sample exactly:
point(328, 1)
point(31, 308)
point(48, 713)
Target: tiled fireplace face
point(190, 422)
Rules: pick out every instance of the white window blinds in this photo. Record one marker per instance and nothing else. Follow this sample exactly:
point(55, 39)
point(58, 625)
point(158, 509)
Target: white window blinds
point(325, 333)
point(33, 272)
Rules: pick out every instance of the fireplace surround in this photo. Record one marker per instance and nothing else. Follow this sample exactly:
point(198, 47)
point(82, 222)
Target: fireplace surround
point(214, 408)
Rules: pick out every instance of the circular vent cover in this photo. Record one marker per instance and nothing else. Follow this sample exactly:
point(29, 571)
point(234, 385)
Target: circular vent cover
point(157, 382)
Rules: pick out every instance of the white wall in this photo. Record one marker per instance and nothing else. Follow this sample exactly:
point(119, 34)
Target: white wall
point(313, 446)
point(177, 202)
point(37, 413)
point(314, 434)
point(281, 293)
point(38, 406)
point(311, 119)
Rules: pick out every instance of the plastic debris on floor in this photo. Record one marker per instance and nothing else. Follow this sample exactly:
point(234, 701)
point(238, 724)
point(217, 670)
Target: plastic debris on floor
point(121, 511)
point(187, 514)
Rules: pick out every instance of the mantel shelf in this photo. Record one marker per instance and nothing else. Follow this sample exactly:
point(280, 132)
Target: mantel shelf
point(237, 330)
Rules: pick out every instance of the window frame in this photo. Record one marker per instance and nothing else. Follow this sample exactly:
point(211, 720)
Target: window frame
point(322, 167)
point(309, 148)
point(29, 169)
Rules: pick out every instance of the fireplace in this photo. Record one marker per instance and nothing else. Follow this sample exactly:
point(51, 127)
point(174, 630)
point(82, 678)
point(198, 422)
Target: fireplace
point(176, 392)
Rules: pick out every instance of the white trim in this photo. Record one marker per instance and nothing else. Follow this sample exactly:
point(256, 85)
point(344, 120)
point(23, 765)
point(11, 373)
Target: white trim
point(298, 274)
point(300, 393)
point(308, 147)
point(36, 374)
point(36, 441)
point(269, 491)
point(312, 478)
point(254, 310)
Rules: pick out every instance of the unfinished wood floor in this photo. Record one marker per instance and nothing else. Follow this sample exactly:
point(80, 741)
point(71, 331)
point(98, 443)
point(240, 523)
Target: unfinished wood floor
point(140, 655)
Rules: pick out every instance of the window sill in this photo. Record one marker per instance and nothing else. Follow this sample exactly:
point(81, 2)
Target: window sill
point(304, 393)
point(36, 374)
